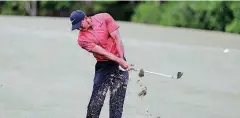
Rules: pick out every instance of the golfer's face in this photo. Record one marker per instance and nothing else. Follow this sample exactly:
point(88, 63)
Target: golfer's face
point(84, 23)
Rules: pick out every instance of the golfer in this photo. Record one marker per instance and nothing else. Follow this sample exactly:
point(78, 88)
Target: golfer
point(99, 35)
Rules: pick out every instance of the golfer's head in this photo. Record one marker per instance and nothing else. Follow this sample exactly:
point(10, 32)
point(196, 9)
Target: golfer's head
point(78, 19)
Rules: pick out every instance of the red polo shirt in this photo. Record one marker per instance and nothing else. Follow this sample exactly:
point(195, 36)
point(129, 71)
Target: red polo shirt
point(102, 25)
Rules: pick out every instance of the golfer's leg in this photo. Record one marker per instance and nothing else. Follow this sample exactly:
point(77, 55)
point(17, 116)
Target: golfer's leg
point(118, 89)
point(97, 100)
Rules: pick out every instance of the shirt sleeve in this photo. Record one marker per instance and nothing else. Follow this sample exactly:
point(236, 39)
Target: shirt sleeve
point(110, 22)
point(86, 44)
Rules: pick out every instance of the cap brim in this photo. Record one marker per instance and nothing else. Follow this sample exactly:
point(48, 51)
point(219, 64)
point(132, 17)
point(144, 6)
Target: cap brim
point(76, 26)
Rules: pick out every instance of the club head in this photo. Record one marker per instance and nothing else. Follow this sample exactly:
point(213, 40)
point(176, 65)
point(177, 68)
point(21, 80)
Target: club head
point(179, 75)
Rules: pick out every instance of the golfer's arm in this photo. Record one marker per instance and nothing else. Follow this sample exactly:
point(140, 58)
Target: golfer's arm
point(116, 36)
point(99, 50)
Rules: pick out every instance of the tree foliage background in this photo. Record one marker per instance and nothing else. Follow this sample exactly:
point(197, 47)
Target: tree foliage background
point(209, 15)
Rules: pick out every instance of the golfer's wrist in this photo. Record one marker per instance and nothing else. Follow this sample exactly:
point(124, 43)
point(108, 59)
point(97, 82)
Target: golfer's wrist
point(118, 60)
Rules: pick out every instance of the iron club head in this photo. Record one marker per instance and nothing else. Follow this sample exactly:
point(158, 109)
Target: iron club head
point(179, 75)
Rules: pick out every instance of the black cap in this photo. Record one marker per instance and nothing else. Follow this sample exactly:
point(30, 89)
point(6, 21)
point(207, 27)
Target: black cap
point(76, 18)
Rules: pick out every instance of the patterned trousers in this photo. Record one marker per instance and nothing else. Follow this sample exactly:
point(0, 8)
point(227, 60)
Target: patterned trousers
point(108, 76)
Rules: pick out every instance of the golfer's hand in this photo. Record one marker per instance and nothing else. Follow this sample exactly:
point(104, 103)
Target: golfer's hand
point(124, 64)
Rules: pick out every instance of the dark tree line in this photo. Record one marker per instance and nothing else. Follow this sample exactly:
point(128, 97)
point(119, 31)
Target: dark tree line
point(210, 15)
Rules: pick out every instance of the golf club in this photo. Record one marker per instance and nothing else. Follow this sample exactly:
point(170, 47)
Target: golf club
point(141, 73)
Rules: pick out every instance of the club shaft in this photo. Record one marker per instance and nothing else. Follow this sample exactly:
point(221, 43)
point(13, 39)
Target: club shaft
point(160, 74)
